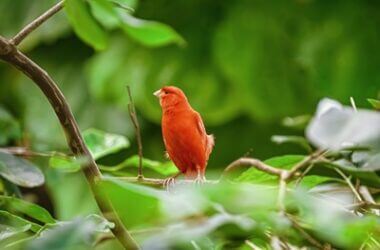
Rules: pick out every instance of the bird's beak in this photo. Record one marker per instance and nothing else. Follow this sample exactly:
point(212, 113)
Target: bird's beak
point(157, 93)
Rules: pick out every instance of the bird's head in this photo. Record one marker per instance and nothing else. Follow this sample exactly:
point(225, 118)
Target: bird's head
point(170, 96)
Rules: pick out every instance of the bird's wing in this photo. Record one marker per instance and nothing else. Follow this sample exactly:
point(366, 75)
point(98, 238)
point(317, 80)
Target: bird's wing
point(210, 141)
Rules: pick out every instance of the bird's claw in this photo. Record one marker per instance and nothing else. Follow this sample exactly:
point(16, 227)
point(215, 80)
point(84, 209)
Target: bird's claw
point(169, 183)
point(200, 180)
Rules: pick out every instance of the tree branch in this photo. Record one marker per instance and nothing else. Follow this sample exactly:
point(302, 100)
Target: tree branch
point(156, 182)
point(251, 162)
point(132, 114)
point(10, 54)
point(17, 39)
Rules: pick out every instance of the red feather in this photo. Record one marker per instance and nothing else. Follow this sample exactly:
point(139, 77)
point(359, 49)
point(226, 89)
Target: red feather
point(184, 133)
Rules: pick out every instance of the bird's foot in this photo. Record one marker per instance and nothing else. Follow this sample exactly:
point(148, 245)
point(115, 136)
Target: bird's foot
point(200, 180)
point(169, 183)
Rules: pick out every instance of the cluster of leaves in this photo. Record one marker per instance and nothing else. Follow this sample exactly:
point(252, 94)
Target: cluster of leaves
point(233, 213)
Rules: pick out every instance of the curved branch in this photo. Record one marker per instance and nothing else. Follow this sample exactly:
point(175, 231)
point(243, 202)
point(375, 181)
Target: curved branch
point(252, 162)
point(9, 53)
point(17, 39)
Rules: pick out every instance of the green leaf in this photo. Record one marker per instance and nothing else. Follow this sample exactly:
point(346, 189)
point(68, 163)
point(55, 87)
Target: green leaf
point(367, 177)
point(256, 176)
point(23, 207)
point(104, 11)
point(20, 171)
point(7, 231)
point(281, 139)
point(66, 163)
point(150, 33)
point(17, 223)
point(297, 122)
point(139, 206)
point(76, 234)
point(163, 168)
point(101, 143)
point(85, 26)
point(375, 103)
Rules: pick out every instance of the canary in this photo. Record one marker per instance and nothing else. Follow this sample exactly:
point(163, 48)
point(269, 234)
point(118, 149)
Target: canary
point(186, 141)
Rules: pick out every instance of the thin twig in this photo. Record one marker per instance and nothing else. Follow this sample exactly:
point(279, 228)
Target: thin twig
point(353, 104)
point(364, 204)
point(349, 183)
point(251, 245)
point(367, 197)
point(17, 39)
point(304, 163)
point(304, 173)
point(282, 193)
point(132, 114)
point(10, 54)
point(22, 151)
point(305, 234)
point(251, 162)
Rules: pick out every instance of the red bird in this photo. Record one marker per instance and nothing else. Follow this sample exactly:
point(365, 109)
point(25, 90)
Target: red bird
point(185, 138)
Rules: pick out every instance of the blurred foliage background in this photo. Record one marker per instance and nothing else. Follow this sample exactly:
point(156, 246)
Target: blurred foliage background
point(244, 65)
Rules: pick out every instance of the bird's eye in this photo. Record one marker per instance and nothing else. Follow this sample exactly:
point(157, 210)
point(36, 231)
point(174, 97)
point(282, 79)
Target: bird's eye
point(166, 92)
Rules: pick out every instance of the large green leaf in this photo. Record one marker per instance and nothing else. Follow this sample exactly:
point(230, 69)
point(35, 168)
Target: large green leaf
point(150, 33)
point(367, 177)
point(139, 205)
point(20, 171)
point(85, 26)
point(101, 143)
point(79, 233)
point(23, 207)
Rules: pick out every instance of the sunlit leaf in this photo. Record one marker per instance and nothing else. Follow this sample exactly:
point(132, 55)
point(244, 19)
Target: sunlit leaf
point(23, 207)
point(20, 171)
point(66, 163)
point(150, 33)
point(101, 143)
point(85, 26)
point(375, 103)
point(9, 231)
point(298, 122)
point(336, 127)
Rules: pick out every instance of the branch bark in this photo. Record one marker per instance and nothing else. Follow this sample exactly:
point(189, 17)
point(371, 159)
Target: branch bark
point(251, 162)
point(10, 54)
